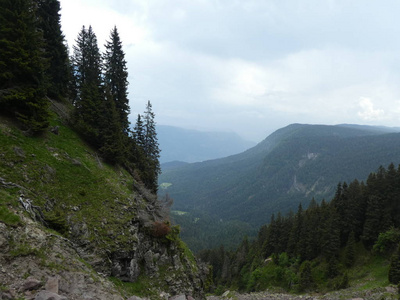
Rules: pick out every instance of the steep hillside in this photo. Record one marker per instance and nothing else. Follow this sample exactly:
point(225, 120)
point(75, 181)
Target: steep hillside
point(179, 144)
point(67, 215)
point(292, 165)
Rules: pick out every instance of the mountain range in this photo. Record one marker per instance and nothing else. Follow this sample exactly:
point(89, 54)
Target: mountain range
point(291, 166)
point(186, 145)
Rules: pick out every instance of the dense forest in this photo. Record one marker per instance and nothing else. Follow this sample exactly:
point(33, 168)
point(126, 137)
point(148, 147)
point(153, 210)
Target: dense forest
point(315, 248)
point(36, 73)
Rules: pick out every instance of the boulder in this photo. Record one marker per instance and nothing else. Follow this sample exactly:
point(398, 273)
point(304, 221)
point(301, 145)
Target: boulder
point(52, 285)
point(46, 295)
point(135, 298)
point(30, 284)
point(178, 297)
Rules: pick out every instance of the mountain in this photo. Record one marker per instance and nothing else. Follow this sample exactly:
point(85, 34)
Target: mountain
point(178, 144)
point(292, 165)
point(87, 228)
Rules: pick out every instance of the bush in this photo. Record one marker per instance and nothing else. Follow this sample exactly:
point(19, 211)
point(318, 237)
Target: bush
point(387, 241)
point(160, 229)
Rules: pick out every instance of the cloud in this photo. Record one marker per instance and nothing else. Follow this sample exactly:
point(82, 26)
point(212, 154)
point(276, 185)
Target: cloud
point(253, 66)
point(368, 112)
point(75, 14)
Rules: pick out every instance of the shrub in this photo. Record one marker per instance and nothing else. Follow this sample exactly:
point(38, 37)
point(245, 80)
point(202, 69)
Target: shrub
point(160, 229)
point(387, 241)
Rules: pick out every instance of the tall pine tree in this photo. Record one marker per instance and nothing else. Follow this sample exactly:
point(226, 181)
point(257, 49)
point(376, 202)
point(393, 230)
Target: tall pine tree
point(151, 149)
point(89, 97)
point(116, 78)
point(56, 52)
point(22, 65)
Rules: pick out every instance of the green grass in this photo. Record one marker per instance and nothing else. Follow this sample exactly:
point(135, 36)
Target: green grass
point(6, 216)
point(143, 286)
point(74, 189)
point(371, 272)
point(63, 173)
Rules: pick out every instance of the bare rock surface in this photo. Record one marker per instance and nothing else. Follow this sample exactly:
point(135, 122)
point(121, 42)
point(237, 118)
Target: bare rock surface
point(39, 265)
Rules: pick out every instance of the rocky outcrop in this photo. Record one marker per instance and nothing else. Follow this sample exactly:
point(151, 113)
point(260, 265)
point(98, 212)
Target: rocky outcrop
point(88, 231)
point(37, 264)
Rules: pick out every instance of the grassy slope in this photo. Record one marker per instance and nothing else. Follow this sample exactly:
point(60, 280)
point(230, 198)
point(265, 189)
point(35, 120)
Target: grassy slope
point(63, 175)
point(59, 171)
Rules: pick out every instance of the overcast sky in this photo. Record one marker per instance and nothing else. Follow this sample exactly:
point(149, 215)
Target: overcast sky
point(254, 66)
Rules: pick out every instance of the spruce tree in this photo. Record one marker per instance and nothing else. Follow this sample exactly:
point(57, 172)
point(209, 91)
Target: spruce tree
point(306, 279)
point(373, 221)
point(271, 240)
point(113, 142)
point(330, 239)
point(350, 250)
point(295, 232)
point(139, 131)
point(151, 148)
point(56, 53)
point(116, 78)
point(394, 269)
point(22, 65)
point(89, 96)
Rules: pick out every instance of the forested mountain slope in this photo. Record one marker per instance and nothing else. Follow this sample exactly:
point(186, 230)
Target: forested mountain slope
point(352, 240)
point(292, 165)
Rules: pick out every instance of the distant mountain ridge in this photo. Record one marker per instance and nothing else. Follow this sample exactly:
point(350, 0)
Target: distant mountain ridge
point(186, 145)
point(292, 165)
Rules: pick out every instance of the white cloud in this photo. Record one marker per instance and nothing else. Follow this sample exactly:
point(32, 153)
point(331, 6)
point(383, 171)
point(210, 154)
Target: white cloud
point(368, 112)
point(75, 14)
point(253, 66)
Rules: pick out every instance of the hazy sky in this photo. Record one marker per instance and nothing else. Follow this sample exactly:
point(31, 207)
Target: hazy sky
point(253, 66)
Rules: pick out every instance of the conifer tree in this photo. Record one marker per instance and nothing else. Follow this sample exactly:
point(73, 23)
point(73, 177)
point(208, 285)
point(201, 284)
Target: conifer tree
point(330, 239)
point(350, 251)
point(394, 269)
point(151, 148)
point(139, 133)
point(295, 232)
point(306, 279)
point(22, 65)
point(89, 96)
point(56, 53)
point(113, 142)
point(373, 221)
point(333, 267)
point(116, 78)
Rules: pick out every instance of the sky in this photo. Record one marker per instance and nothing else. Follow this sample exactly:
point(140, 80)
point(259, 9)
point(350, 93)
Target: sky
point(253, 66)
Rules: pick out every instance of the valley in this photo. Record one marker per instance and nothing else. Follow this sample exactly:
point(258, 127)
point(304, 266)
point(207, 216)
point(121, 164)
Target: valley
point(98, 201)
point(293, 165)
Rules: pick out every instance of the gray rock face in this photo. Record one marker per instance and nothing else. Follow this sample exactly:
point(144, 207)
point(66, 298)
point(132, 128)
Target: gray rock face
point(46, 295)
point(135, 298)
point(30, 284)
point(63, 274)
point(70, 278)
point(179, 297)
point(151, 255)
